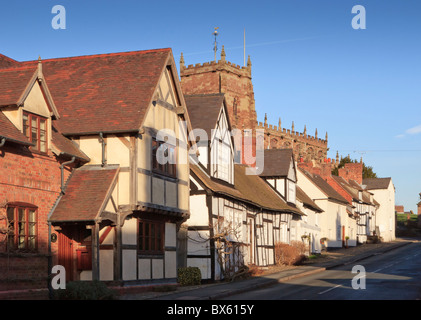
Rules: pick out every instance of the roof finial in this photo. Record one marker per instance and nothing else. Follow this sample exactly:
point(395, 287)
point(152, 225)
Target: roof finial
point(316, 134)
point(266, 119)
point(305, 130)
point(249, 62)
point(39, 67)
point(279, 123)
point(292, 127)
point(326, 136)
point(181, 61)
point(223, 55)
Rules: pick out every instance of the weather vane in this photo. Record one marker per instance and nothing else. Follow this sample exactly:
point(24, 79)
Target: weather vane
point(215, 48)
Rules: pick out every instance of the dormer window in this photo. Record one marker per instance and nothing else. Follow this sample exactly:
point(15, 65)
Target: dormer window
point(35, 129)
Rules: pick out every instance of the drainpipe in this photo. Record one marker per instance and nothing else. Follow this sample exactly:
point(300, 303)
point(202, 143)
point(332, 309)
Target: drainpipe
point(50, 262)
point(103, 143)
point(62, 172)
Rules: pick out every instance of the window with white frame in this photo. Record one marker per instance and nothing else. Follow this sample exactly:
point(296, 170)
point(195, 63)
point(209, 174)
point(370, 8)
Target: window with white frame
point(291, 191)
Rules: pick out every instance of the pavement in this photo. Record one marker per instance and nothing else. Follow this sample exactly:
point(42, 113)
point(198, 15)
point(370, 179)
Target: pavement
point(220, 290)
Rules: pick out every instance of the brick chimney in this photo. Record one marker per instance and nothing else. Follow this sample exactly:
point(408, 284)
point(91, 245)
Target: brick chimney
point(352, 171)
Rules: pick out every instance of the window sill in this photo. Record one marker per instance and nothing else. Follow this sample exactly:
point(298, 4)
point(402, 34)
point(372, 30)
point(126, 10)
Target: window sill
point(145, 255)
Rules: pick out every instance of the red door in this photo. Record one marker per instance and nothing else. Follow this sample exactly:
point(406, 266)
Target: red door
point(65, 253)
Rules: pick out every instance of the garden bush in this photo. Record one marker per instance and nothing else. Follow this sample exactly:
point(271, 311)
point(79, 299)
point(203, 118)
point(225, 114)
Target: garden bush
point(86, 290)
point(189, 276)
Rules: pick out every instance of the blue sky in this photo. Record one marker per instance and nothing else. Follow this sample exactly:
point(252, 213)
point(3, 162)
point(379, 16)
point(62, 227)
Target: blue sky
point(309, 65)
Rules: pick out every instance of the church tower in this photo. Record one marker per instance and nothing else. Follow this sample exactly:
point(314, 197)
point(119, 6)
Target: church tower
point(223, 77)
point(236, 83)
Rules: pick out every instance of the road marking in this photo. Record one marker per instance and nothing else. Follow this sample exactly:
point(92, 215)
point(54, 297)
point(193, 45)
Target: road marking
point(339, 285)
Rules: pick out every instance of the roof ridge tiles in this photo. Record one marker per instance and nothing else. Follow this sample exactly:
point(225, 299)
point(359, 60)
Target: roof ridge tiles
point(100, 55)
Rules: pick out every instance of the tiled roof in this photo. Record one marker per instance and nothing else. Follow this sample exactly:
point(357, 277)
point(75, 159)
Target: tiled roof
point(306, 200)
point(204, 110)
point(13, 82)
point(325, 187)
point(10, 132)
point(247, 188)
point(353, 188)
point(106, 92)
point(86, 193)
point(6, 62)
point(66, 146)
point(377, 183)
point(277, 162)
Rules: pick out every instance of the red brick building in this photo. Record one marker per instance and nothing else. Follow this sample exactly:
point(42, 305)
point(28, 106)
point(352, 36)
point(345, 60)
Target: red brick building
point(32, 152)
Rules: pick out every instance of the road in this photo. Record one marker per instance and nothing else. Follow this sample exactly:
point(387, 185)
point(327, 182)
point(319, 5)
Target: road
point(395, 275)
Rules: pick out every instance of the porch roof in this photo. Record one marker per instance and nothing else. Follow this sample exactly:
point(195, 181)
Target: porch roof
point(86, 194)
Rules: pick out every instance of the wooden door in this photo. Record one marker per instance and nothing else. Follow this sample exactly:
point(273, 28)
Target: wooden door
point(65, 252)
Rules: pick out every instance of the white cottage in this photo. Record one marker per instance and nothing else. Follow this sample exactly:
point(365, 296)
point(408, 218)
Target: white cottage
point(383, 192)
point(236, 218)
point(280, 172)
point(335, 221)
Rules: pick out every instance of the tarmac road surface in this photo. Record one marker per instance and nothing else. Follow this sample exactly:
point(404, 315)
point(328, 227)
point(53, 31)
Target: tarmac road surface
point(394, 275)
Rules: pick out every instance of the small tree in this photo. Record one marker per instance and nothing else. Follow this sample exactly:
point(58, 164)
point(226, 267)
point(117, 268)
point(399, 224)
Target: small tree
point(367, 170)
point(226, 241)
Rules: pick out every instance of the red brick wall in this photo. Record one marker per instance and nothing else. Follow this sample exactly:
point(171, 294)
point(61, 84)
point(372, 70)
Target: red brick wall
point(352, 171)
point(34, 179)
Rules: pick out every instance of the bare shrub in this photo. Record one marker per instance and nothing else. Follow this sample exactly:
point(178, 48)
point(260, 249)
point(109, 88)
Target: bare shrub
point(289, 254)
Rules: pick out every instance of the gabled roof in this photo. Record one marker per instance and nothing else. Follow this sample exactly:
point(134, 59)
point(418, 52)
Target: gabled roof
point(86, 194)
point(323, 186)
point(204, 110)
point(277, 162)
point(17, 83)
point(13, 83)
point(306, 200)
point(11, 133)
point(376, 183)
point(106, 92)
point(247, 188)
